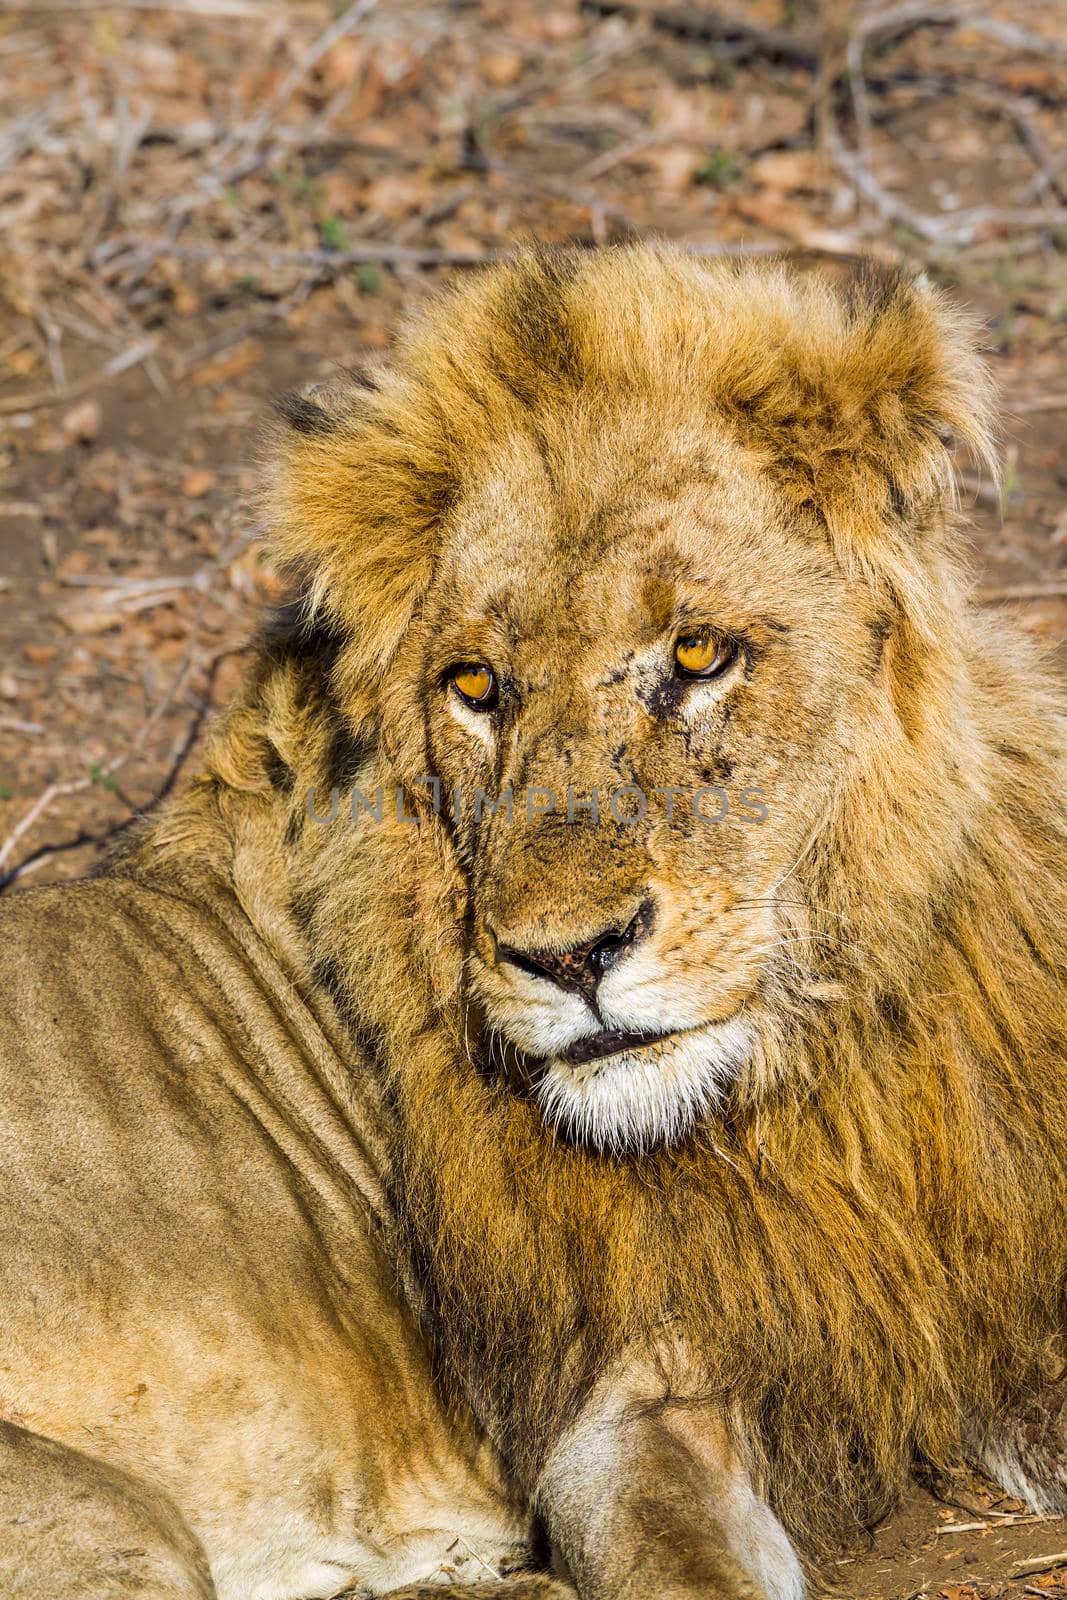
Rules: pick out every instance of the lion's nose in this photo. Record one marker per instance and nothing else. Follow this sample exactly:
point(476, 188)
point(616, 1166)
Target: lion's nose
point(581, 967)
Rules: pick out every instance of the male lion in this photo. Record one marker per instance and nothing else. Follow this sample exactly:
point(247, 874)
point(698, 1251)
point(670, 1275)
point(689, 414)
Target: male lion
point(524, 1141)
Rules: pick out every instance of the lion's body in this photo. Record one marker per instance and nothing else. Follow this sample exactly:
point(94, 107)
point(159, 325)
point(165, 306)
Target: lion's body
point(272, 1103)
point(199, 1286)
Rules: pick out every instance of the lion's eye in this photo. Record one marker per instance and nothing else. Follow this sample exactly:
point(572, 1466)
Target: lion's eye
point(476, 685)
point(703, 655)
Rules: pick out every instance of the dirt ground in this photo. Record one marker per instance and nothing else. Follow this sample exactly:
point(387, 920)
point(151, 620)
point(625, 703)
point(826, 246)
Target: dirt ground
point(206, 203)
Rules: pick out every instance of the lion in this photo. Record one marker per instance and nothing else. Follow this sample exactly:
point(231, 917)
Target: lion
point(572, 1098)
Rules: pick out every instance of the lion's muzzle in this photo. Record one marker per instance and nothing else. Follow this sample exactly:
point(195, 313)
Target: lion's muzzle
point(580, 966)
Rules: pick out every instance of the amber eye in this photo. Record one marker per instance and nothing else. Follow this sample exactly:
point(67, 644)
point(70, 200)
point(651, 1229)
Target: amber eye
point(703, 655)
point(476, 685)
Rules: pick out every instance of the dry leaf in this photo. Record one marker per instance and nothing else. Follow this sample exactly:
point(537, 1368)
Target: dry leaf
point(672, 164)
point(87, 621)
point(23, 363)
point(198, 481)
point(102, 538)
point(791, 169)
point(81, 424)
point(561, 26)
point(794, 221)
point(74, 565)
point(341, 194)
point(1030, 77)
point(186, 300)
point(231, 365)
point(40, 655)
point(342, 64)
point(502, 68)
point(396, 192)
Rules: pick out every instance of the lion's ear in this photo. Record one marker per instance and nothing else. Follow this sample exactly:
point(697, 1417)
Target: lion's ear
point(857, 397)
point(356, 483)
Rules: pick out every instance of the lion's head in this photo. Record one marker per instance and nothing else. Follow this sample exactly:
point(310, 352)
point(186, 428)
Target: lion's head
point(642, 562)
point(609, 636)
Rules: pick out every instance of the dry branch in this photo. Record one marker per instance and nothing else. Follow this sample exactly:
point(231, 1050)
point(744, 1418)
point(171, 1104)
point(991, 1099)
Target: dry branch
point(915, 14)
point(178, 753)
point(40, 399)
point(56, 791)
point(1042, 402)
point(193, 657)
point(957, 228)
point(355, 255)
point(1025, 1569)
point(740, 40)
point(1023, 591)
point(308, 59)
point(252, 10)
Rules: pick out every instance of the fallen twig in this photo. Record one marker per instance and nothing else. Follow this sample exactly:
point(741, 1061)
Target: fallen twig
point(328, 260)
point(105, 770)
point(1014, 1519)
point(957, 227)
point(178, 756)
point(1050, 174)
point(309, 58)
point(254, 10)
point(401, 255)
point(56, 791)
point(914, 14)
point(1013, 36)
point(889, 205)
point(1042, 402)
point(39, 399)
point(132, 132)
point(25, 131)
point(1026, 1569)
point(740, 38)
point(1023, 591)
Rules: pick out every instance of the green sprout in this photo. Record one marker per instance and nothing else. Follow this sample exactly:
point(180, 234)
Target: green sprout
point(718, 170)
point(333, 233)
point(106, 780)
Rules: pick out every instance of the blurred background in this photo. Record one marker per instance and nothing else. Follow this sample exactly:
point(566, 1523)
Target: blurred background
point(207, 202)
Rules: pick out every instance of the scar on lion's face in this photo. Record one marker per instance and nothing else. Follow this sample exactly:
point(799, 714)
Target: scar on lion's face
point(626, 818)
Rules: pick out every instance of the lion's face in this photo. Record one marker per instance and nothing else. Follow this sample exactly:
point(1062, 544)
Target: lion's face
point(638, 685)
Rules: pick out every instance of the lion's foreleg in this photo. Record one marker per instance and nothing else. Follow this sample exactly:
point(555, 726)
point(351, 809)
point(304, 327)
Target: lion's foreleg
point(646, 1495)
point(1026, 1454)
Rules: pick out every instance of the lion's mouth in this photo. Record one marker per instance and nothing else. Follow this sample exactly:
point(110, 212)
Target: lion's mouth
point(608, 1042)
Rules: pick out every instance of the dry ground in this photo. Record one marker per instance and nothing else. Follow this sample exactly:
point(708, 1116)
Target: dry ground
point(205, 203)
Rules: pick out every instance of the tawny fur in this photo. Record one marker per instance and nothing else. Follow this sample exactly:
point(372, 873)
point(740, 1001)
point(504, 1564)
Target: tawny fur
point(867, 1246)
point(863, 1246)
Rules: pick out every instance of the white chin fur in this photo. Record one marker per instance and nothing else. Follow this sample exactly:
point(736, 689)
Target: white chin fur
point(640, 1098)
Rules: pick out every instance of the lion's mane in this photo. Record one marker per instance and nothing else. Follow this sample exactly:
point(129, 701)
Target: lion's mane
point(864, 1251)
